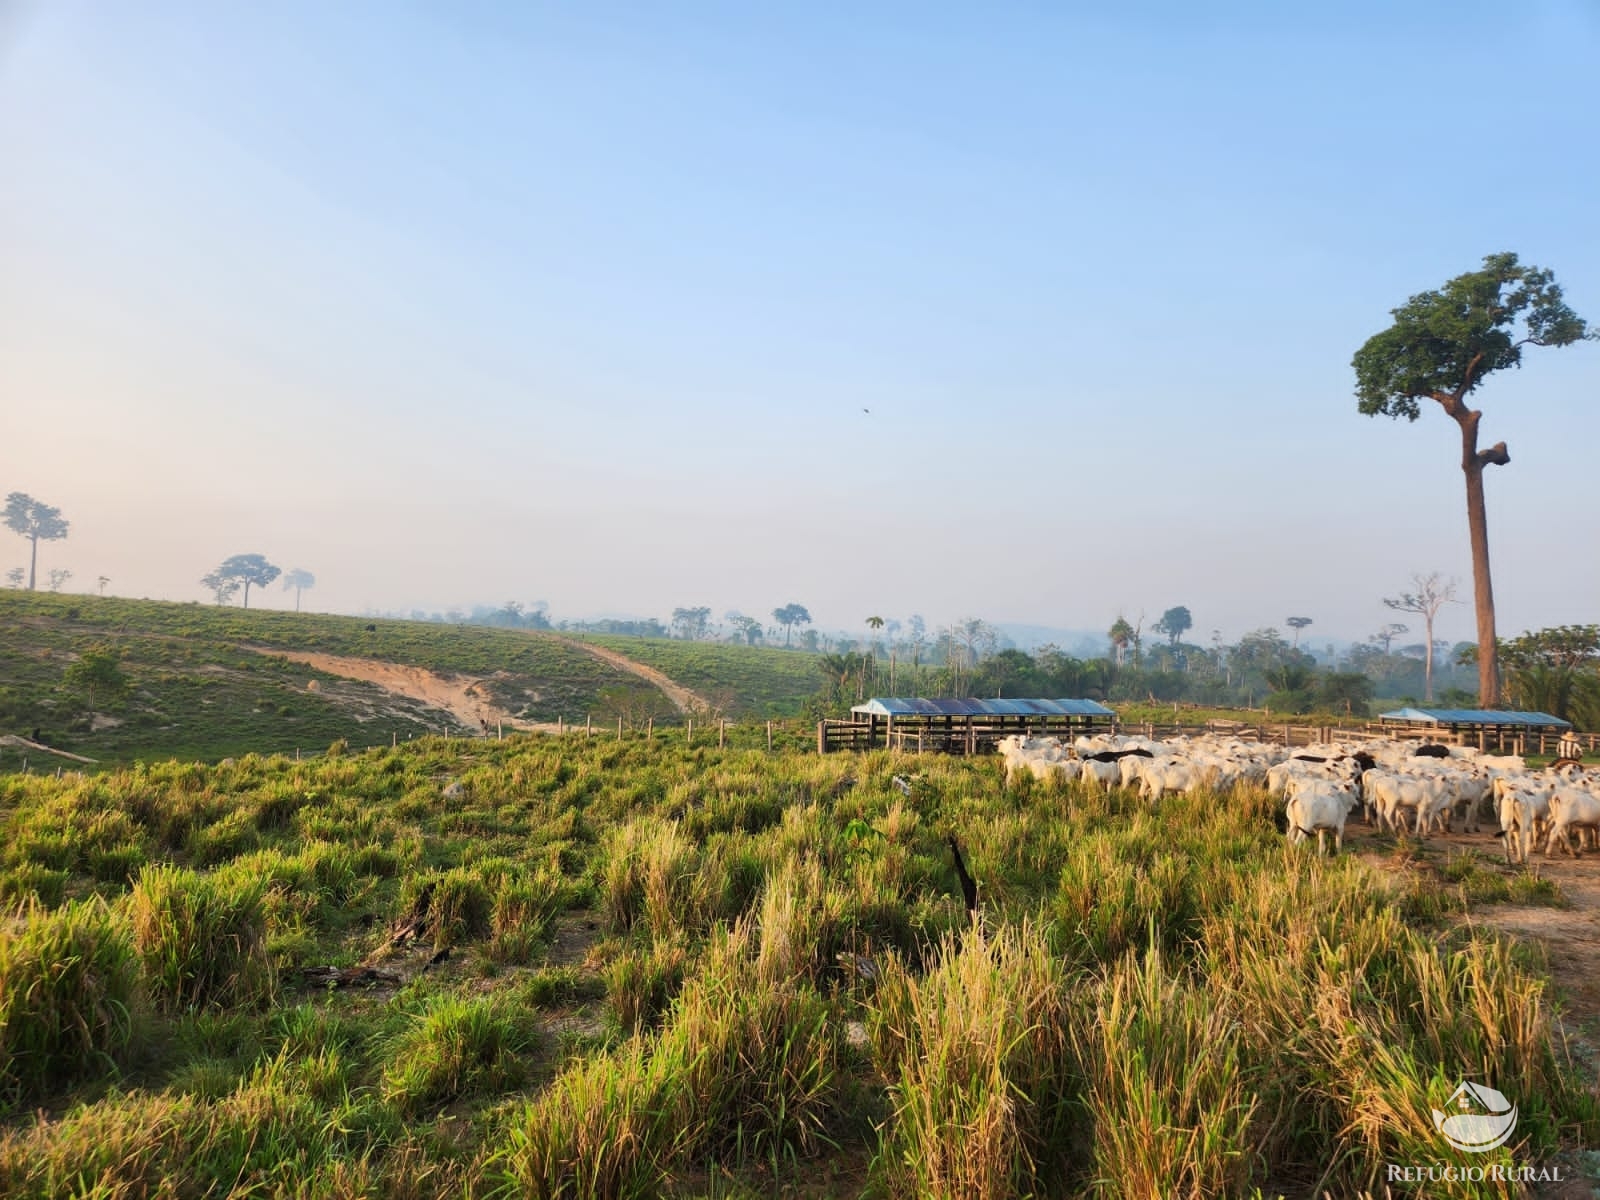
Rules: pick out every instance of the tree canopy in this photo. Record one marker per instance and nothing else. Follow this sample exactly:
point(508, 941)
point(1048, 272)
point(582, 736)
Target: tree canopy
point(36, 521)
point(789, 616)
point(1174, 623)
point(248, 570)
point(297, 580)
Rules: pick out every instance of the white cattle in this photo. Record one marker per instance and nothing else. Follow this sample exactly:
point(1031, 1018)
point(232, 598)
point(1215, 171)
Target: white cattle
point(1320, 806)
point(1571, 808)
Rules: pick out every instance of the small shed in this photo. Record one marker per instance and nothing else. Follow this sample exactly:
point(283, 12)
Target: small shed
point(962, 724)
point(1481, 727)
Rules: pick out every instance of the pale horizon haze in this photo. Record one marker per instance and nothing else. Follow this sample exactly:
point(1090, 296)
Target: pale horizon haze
point(465, 303)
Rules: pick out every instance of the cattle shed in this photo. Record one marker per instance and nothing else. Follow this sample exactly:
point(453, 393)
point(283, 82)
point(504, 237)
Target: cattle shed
point(1481, 727)
point(963, 725)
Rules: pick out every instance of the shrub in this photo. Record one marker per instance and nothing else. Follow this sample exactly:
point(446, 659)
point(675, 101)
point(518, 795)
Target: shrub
point(591, 1135)
point(981, 1049)
point(67, 981)
point(641, 984)
point(459, 1047)
point(202, 938)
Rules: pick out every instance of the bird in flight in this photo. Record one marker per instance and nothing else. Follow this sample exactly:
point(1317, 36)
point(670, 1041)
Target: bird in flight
point(867, 410)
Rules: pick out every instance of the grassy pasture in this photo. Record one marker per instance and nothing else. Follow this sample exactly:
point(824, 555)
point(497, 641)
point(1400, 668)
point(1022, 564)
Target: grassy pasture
point(682, 971)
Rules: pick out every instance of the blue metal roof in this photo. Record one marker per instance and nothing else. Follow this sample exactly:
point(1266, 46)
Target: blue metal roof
point(1473, 716)
point(908, 706)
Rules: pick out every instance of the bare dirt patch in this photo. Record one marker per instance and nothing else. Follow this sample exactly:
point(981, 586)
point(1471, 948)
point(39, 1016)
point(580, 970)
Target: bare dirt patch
point(464, 697)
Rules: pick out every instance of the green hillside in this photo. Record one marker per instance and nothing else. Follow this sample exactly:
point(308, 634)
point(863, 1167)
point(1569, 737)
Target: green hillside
point(200, 686)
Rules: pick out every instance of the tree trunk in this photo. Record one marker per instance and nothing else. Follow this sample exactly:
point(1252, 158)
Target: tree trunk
point(1427, 660)
point(297, 599)
point(33, 562)
point(247, 593)
point(1472, 464)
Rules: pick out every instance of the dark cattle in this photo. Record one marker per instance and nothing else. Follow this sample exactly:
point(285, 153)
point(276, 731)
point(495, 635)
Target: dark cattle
point(1308, 758)
point(372, 629)
point(1430, 750)
point(1365, 761)
point(1114, 755)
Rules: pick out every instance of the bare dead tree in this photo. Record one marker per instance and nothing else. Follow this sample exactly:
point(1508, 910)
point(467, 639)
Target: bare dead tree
point(1432, 593)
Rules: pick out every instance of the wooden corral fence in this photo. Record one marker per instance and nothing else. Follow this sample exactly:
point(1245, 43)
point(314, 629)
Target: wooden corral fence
point(967, 738)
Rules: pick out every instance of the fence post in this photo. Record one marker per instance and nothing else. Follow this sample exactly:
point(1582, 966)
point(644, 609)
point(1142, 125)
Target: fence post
point(688, 732)
point(650, 728)
point(722, 735)
point(822, 737)
point(619, 729)
point(769, 737)
point(588, 724)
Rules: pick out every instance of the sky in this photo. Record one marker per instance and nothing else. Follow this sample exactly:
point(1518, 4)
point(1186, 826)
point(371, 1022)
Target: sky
point(464, 303)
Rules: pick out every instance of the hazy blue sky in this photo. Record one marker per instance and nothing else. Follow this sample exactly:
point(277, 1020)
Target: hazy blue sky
point(470, 302)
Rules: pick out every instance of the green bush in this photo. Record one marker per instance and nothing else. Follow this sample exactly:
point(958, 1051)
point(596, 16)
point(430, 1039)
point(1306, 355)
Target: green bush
point(203, 938)
point(457, 1047)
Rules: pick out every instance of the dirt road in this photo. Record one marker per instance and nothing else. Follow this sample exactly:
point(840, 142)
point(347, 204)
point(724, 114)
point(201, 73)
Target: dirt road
point(681, 697)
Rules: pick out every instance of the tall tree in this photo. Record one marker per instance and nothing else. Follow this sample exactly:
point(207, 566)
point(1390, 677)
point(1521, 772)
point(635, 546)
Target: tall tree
point(1297, 624)
point(1442, 345)
point(1174, 623)
point(298, 580)
point(37, 522)
point(247, 569)
point(1432, 594)
point(789, 616)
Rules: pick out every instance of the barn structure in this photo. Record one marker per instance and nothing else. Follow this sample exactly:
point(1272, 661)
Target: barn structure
point(1481, 727)
point(964, 725)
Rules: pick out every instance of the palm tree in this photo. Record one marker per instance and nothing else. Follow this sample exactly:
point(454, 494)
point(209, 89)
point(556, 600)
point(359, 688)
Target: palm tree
point(1121, 637)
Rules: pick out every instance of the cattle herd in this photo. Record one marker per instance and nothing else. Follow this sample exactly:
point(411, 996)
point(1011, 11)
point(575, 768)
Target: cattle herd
point(1400, 786)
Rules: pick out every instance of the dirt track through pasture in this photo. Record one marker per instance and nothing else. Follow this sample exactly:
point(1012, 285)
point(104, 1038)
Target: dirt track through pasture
point(685, 700)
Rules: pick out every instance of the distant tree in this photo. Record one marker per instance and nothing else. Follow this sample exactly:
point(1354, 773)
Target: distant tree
point(1297, 624)
point(916, 637)
point(222, 588)
point(745, 629)
point(14, 577)
point(1349, 690)
point(97, 675)
point(1432, 594)
point(1387, 634)
point(875, 624)
point(1121, 635)
point(37, 522)
point(297, 580)
point(248, 569)
point(59, 577)
point(102, 581)
point(1174, 623)
point(1442, 346)
point(1557, 671)
point(691, 623)
point(789, 616)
